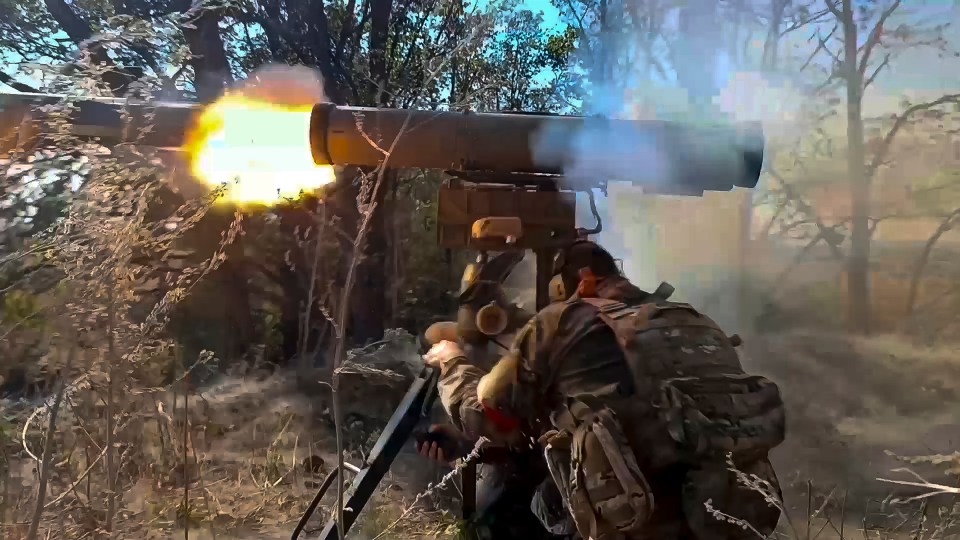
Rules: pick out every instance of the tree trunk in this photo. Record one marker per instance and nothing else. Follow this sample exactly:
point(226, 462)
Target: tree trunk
point(209, 59)
point(771, 45)
point(211, 75)
point(858, 265)
point(231, 276)
point(211, 70)
point(695, 61)
point(278, 51)
point(79, 31)
point(317, 32)
point(379, 26)
point(606, 48)
point(396, 254)
point(290, 313)
point(309, 20)
point(368, 297)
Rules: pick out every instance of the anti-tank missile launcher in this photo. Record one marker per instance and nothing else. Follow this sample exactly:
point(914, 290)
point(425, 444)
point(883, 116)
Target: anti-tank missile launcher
point(682, 158)
point(512, 187)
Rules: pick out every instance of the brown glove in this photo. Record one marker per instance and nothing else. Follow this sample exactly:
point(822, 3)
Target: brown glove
point(557, 439)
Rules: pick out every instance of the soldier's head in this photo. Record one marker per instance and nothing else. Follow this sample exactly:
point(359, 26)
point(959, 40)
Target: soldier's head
point(571, 261)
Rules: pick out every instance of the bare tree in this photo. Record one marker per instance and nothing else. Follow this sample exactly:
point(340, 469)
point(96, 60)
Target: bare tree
point(854, 65)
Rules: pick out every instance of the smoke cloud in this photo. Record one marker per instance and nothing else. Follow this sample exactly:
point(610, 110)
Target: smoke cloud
point(693, 243)
point(284, 85)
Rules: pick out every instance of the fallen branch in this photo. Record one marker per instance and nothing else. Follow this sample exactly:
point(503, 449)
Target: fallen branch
point(938, 489)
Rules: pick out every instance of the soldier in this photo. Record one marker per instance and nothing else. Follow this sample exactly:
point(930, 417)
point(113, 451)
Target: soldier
point(641, 406)
point(506, 481)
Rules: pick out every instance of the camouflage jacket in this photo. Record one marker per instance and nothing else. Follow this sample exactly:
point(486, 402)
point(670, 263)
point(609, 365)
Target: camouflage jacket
point(564, 351)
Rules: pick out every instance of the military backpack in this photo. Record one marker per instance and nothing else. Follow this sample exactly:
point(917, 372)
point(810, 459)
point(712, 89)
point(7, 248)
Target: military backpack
point(693, 407)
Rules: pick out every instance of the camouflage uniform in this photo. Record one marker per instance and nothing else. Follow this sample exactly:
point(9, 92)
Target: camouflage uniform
point(568, 356)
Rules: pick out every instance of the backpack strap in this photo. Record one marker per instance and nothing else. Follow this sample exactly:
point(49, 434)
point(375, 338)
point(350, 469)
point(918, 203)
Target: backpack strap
point(648, 315)
point(627, 321)
point(664, 291)
point(613, 314)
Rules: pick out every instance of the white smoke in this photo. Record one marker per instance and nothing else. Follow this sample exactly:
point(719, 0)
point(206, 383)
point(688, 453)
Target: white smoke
point(284, 85)
point(702, 86)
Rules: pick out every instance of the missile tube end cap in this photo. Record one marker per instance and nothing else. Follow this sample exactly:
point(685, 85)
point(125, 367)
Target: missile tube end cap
point(319, 122)
point(751, 139)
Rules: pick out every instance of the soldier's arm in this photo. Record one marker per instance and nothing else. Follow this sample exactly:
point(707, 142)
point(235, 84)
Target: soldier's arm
point(458, 384)
point(496, 404)
point(518, 389)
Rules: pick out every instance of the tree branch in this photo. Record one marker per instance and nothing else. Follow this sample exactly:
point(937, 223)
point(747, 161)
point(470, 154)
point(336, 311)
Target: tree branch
point(945, 225)
point(898, 124)
point(584, 39)
point(16, 85)
point(832, 6)
point(816, 17)
point(44, 465)
point(885, 63)
point(874, 39)
point(73, 25)
point(826, 233)
point(79, 31)
point(822, 45)
point(347, 26)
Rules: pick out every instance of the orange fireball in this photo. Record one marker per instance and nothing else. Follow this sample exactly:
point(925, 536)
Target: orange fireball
point(260, 150)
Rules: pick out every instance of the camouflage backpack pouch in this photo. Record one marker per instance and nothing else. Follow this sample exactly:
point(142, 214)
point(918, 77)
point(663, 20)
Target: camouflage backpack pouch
point(598, 476)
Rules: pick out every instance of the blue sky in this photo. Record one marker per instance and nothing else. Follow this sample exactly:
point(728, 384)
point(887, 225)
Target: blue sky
point(551, 16)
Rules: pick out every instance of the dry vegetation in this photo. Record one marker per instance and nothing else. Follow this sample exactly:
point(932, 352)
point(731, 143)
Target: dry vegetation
point(127, 441)
point(122, 423)
point(127, 435)
point(243, 466)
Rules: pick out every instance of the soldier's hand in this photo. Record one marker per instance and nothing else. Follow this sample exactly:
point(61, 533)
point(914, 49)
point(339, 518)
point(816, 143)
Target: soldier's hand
point(431, 451)
point(441, 353)
point(438, 444)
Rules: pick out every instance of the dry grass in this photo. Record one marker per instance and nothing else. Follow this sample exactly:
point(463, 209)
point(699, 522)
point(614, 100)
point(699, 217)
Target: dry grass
point(246, 476)
point(853, 406)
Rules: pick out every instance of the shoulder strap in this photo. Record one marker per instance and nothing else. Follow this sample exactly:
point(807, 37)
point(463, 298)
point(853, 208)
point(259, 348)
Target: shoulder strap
point(664, 291)
point(648, 315)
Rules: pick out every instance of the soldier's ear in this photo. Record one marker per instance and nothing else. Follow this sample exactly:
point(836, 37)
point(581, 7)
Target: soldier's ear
point(558, 291)
point(587, 288)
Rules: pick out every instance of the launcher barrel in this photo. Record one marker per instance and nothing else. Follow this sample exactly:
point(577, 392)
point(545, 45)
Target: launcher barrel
point(714, 158)
point(675, 157)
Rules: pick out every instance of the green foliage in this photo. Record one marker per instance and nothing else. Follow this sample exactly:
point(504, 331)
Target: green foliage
point(271, 338)
point(8, 430)
point(20, 308)
point(428, 276)
point(525, 61)
point(559, 49)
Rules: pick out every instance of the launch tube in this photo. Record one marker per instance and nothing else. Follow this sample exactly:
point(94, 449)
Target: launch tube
point(714, 158)
point(646, 152)
point(160, 124)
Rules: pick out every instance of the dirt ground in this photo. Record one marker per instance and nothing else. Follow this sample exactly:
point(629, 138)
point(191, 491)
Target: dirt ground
point(851, 404)
point(854, 406)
